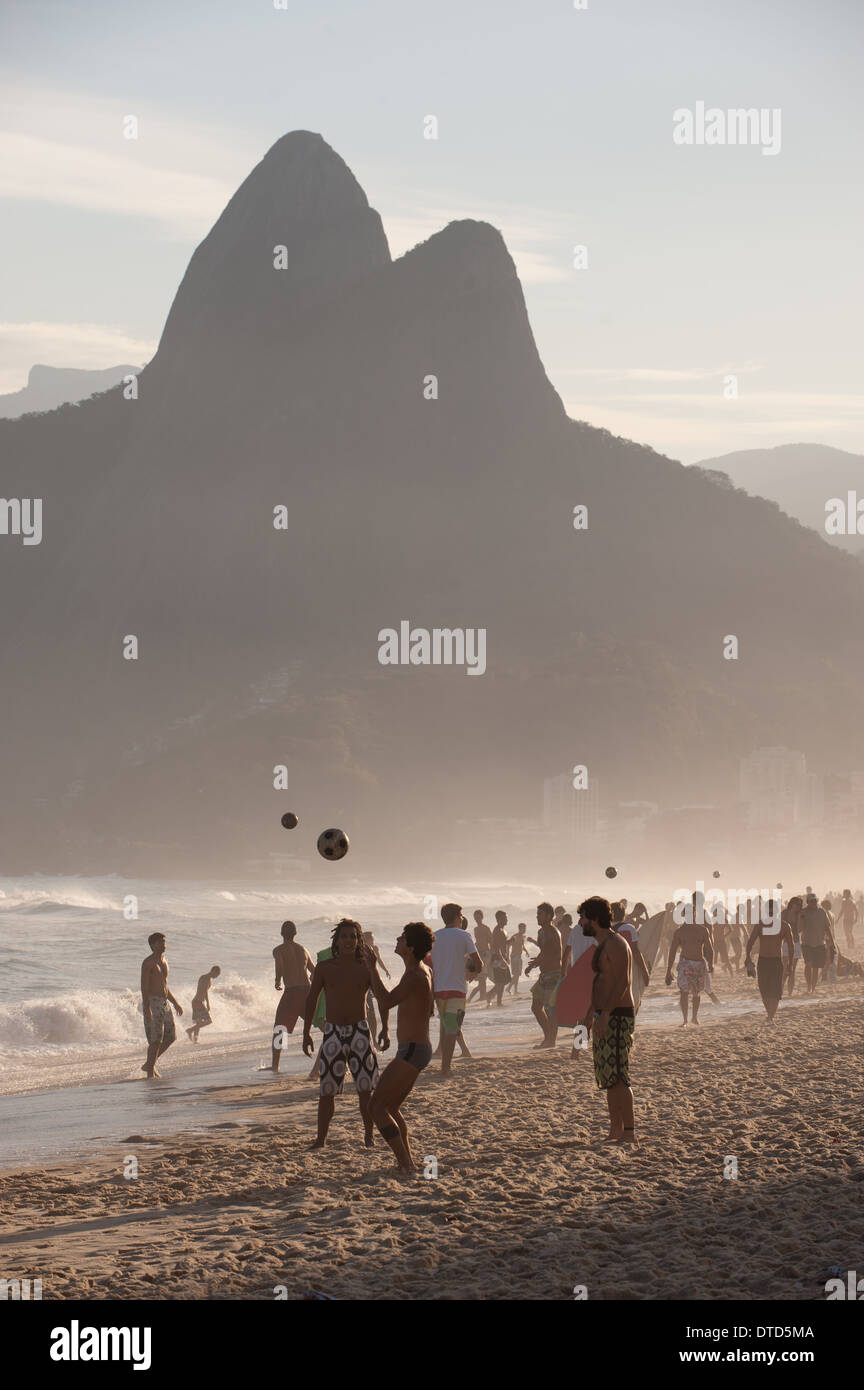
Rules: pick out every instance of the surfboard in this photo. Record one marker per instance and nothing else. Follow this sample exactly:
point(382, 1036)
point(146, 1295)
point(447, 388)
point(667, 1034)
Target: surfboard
point(649, 944)
point(574, 992)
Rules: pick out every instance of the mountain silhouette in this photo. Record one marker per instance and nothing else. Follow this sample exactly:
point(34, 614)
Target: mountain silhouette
point(310, 387)
point(800, 478)
point(49, 387)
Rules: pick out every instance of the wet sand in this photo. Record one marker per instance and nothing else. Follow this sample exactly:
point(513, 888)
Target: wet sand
point(528, 1202)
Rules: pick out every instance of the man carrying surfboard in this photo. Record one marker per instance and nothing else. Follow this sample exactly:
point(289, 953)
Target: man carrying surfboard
point(630, 933)
point(611, 1017)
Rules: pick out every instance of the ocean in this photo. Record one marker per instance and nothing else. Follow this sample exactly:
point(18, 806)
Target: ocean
point(71, 1032)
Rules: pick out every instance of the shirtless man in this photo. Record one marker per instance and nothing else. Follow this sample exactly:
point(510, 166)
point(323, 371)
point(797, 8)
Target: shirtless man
point(483, 942)
point(156, 1002)
point(847, 916)
point(697, 957)
point(792, 915)
point(548, 962)
point(770, 968)
point(293, 965)
point(201, 1003)
point(413, 998)
point(499, 951)
point(611, 1017)
point(716, 915)
point(518, 949)
point(667, 932)
point(345, 979)
point(816, 941)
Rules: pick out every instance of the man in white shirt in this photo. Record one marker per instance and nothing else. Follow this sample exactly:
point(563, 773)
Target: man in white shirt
point(453, 953)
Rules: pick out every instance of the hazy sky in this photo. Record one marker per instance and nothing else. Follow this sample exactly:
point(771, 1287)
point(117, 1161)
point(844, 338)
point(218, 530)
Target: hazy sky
point(555, 124)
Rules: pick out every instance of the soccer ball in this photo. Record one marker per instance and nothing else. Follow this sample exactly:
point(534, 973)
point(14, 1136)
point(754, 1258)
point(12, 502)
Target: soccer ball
point(332, 844)
point(289, 820)
point(611, 873)
point(716, 873)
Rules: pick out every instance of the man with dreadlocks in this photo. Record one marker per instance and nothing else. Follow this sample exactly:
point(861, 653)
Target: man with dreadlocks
point(345, 978)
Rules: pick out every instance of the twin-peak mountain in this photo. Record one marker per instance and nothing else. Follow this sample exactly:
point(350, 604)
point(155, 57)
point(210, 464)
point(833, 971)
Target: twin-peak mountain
point(302, 388)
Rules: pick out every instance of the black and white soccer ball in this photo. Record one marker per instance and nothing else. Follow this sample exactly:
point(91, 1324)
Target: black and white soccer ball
point(333, 844)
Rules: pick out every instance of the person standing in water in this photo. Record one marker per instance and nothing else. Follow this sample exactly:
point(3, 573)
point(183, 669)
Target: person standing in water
point(483, 942)
point(847, 916)
point(518, 949)
point(156, 1003)
point(201, 1003)
point(293, 965)
point(548, 962)
point(498, 960)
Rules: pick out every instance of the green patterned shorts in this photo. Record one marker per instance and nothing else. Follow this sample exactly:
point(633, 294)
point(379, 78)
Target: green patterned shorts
point(612, 1051)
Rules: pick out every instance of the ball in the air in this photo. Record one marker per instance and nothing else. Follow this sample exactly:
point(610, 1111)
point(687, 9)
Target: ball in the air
point(289, 820)
point(716, 873)
point(332, 844)
point(611, 873)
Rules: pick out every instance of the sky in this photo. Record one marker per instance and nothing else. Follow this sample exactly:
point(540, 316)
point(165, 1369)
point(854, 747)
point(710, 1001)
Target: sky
point(720, 304)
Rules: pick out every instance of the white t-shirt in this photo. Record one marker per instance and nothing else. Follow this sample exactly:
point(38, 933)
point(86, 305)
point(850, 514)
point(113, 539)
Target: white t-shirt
point(450, 950)
point(578, 943)
point(629, 933)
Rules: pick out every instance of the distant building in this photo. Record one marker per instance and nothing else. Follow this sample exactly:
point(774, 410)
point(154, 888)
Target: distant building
point(632, 818)
point(569, 813)
point(776, 790)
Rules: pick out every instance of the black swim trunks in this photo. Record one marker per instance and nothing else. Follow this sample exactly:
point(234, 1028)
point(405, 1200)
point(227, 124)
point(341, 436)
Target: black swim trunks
point(769, 977)
point(417, 1055)
point(815, 955)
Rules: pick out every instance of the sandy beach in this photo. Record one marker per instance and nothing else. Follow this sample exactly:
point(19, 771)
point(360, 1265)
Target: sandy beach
point(528, 1202)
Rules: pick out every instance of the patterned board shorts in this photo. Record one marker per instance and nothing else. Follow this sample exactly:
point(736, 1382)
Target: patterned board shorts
point(545, 991)
point(347, 1044)
point(693, 976)
point(160, 1028)
point(451, 1012)
point(612, 1051)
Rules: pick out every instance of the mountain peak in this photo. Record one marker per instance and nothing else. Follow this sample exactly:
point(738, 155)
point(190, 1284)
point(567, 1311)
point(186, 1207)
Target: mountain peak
point(298, 232)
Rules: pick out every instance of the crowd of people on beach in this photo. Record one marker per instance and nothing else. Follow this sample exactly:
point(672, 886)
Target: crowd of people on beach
point(338, 992)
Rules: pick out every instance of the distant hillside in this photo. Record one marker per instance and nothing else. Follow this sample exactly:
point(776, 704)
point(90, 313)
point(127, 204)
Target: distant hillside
point(800, 478)
point(50, 387)
point(307, 386)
